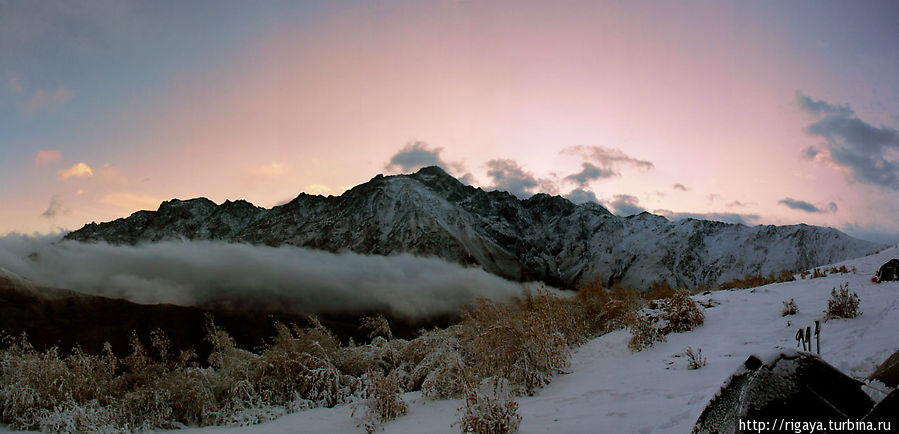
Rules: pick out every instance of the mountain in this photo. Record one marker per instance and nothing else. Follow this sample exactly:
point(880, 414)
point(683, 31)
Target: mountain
point(544, 237)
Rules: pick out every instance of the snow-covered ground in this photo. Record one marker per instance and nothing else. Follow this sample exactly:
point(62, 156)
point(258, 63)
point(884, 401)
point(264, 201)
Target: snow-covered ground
point(611, 389)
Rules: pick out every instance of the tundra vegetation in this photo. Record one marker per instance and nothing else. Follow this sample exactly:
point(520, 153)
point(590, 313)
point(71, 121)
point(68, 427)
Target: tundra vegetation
point(496, 352)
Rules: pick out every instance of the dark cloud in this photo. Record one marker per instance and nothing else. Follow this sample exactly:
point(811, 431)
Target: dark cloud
point(851, 143)
point(714, 197)
point(509, 176)
point(737, 203)
point(624, 205)
point(467, 179)
point(302, 280)
point(821, 108)
point(807, 206)
point(580, 196)
point(732, 218)
point(414, 156)
point(601, 162)
point(590, 173)
point(54, 209)
point(680, 187)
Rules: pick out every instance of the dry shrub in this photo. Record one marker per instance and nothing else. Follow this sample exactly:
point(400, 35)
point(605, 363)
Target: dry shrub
point(436, 364)
point(384, 399)
point(485, 414)
point(659, 290)
point(681, 313)
point(790, 308)
point(377, 326)
point(512, 341)
point(300, 365)
point(643, 333)
point(753, 281)
point(694, 358)
point(841, 304)
point(522, 342)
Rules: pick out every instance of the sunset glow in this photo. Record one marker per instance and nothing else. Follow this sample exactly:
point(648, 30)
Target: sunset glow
point(752, 112)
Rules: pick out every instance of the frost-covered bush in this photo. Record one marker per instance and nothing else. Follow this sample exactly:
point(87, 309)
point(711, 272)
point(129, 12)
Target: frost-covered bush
point(790, 308)
point(521, 343)
point(512, 341)
point(384, 401)
point(486, 414)
point(841, 304)
point(436, 364)
point(681, 313)
point(643, 333)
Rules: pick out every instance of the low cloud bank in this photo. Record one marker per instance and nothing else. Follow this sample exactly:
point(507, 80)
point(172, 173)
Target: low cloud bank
point(301, 280)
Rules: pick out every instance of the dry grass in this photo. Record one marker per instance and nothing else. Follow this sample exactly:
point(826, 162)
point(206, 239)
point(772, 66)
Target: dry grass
point(842, 304)
point(759, 280)
point(521, 343)
point(790, 308)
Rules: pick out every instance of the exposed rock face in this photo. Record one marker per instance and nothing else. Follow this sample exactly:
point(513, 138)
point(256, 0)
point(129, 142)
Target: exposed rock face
point(888, 271)
point(888, 371)
point(791, 386)
point(544, 237)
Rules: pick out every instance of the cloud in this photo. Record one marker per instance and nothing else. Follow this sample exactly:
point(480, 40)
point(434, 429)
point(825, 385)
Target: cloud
point(737, 203)
point(624, 205)
point(79, 169)
point(713, 197)
point(467, 179)
point(414, 156)
point(296, 279)
point(601, 162)
point(580, 196)
point(732, 218)
point(130, 201)
point(44, 101)
point(802, 205)
point(46, 156)
point(680, 187)
point(851, 144)
point(54, 209)
point(590, 173)
point(821, 108)
point(317, 189)
point(508, 176)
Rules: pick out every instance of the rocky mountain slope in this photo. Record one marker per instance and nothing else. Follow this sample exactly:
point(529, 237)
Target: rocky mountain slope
point(544, 237)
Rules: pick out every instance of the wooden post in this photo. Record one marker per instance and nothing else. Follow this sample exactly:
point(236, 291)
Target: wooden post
point(818, 336)
point(808, 338)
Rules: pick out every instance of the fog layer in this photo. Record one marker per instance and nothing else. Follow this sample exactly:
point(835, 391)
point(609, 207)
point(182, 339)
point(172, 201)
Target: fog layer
point(292, 278)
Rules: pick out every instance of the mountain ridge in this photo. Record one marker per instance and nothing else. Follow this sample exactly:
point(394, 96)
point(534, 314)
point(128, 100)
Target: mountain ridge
point(543, 237)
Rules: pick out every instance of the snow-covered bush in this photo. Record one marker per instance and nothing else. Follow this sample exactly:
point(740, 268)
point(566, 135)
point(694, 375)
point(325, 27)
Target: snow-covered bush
point(790, 308)
point(436, 364)
point(521, 343)
point(485, 414)
point(384, 399)
point(643, 333)
point(681, 313)
point(841, 304)
point(517, 341)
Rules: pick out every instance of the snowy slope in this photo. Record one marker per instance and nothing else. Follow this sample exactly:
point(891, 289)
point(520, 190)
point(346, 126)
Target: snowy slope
point(611, 389)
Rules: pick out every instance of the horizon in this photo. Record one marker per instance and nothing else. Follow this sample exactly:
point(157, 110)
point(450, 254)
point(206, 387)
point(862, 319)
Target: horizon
point(762, 113)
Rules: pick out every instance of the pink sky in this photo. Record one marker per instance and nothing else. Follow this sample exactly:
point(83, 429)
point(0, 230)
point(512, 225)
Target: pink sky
point(320, 102)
